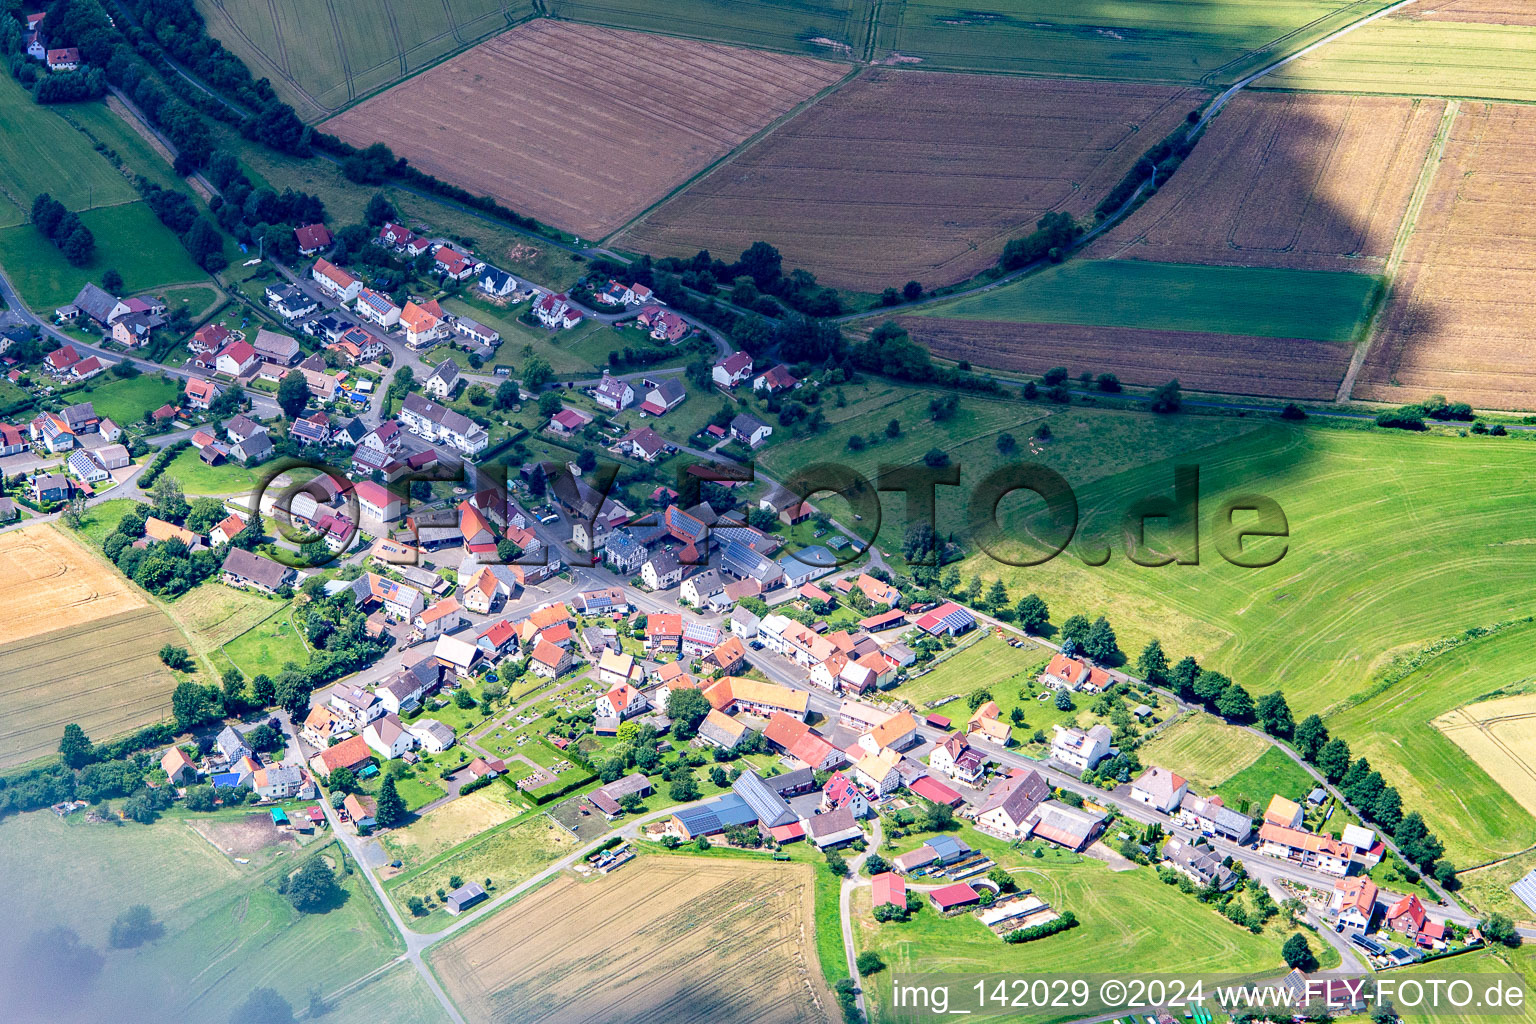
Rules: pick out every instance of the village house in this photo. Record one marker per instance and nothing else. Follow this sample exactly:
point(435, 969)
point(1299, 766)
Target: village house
point(960, 761)
point(335, 282)
point(1081, 750)
point(775, 380)
point(433, 736)
point(388, 737)
point(734, 369)
point(1283, 812)
point(435, 422)
point(312, 238)
point(789, 735)
point(879, 772)
point(498, 284)
point(1159, 789)
point(1323, 853)
point(750, 430)
point(1200, 864)
point(662, 396)
point(276, 348)
point(209, 338)
point(549, 660)
point(1212, 818)
point(289, 300)
point(442, 617)
point(1354, 903)
point(986, 723)
point(377, 308)
point(66, 58)
point(1010, 805)
point(842, 793)
point(445, 380)
point(247, 570)
point(732, 694)
point(454, 265)
point(236, 359)
point(351, 753)
point(423, 323)
point(614, 394)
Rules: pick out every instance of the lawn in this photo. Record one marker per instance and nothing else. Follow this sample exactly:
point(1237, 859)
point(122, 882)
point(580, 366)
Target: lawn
point(197, 477)
point(417, 792)
point(102, 518)
point(398, 995)
point(1473, 815)
point(507, 855)
point(1311, 304)
point(1410, 56)
point(1521, 962)
point(1488, 890)
point(226, 929)
point(129, 239)
point(126, 401)
point(43, 153)
point(1203, 749)
point(268, 646)
point(1248, 791)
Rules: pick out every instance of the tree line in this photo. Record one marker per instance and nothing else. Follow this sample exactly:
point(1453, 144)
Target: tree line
point(64, 229)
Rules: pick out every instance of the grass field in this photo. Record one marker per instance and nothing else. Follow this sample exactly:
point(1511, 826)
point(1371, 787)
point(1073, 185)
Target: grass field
point(1182, 41)
point(1411, 55)
point(1370, 518)
point(197, 477)
point(129, 238)
point(1314, 305)
point(398, 995)
point(226, 928)
point(126, 401)
point(507, 856)
point(1085, 445)
point(43, 153)
point(100, 123)
point(455, 822)
point(1487, 888)
point(681, 938)
point(1127, 921)
point(321, 57)
point(1249, 790)
point(1203, 749)
point(1521, 962)
point(267, 646)
point(1474, 816)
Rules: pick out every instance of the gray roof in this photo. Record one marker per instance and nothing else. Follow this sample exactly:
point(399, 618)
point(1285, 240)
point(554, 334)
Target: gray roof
point(1199, 860)
point(442, 733)
point(251, 566)
point(75, 415)
point(831, 823)
point(271, 344)
point(257, 446)
point(670, 390)
point(745, 423)
point(456, 422)
point(465, 894)
point(770, 807)
point(797, 779)
point(95, 302)
point(447, 371)
point(664, 562)
point(745, 616)
point(707, 582)
point(1017, 797)
point(231, 743)
point(634, 782)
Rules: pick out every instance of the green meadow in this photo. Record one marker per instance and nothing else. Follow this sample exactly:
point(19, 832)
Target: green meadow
point(129, 238)
point(41, 152)
point(1317, 305)
point(824, 28)
point(1475, 817)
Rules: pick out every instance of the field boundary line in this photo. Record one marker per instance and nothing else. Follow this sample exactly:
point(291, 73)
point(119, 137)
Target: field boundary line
point(1405, 231)
point(730, 156)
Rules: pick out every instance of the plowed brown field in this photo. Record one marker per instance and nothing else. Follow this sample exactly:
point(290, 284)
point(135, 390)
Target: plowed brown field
point(917, 175)
point(680, 940)
point(1302, 181)
point(1489, 12)
point(1459, 321)
point(580, 126)
point(1233, 364)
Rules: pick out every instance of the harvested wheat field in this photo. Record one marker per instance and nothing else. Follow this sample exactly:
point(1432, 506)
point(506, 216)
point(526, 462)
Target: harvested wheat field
point(1227, 363)
point(105, 674)
point(904, 175)
point(680, 940)
point(580, 126)
point(47, 579)
point(1500, 735)
point(1301, 181)
point(1459, 320)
